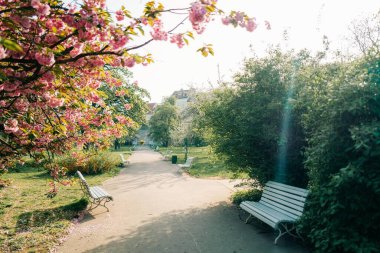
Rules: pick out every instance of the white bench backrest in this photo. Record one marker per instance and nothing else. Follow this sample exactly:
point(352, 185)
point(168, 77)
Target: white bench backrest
point(189, 161)
point(287, 199)
point(83, 182)
point(122, 158)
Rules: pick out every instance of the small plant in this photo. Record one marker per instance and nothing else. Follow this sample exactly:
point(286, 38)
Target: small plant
point(141, 142)
point(246, 195)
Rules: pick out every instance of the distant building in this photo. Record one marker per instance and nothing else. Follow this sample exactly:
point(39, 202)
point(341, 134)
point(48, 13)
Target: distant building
point(183, 98)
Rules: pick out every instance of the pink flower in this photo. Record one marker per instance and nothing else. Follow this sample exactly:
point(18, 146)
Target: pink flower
point(129, 62)
point(11, 126)
point(197, 17)
point(251, 25)
point(197, 13)
point(77, 50)
point(158, 33)
point(48, 77)
point(55, 102)
point(127, 106)
point(42, 9)
point(45, 58)
point(35, 4)
point(51, 38)
point(10, 86)
point(25, 22)
point(177, 39)
point(120, 93)
point(21, 105)
point(93, 97)
point(226, 20)
point(239, 16)
point(119, 42)
point(3, 53)
point(144, 21)
point(95, 84)
point(121, 119)
point(119, 15)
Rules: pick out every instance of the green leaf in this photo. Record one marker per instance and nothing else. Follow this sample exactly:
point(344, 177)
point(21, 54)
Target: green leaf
point(11, 45)
point(141, 30)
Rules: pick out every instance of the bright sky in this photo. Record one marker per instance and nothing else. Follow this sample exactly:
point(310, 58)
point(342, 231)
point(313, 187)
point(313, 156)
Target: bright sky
point(305, 21)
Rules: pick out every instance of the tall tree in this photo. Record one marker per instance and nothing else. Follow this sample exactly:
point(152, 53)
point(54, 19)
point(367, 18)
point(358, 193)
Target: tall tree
point(163, 122)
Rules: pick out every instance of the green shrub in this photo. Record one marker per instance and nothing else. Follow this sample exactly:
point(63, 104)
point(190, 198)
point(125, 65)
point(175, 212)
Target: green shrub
point(342, 213)
point(246, 195)
point(89, 162)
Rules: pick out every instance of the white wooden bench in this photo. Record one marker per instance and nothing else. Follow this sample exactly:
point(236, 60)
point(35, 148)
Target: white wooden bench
point(124, 162)
point(280, 207)
point(96, 195)
point(168, 155)
point(187, 164)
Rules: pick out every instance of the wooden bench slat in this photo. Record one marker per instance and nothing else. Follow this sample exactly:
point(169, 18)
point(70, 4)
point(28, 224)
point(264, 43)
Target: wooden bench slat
point(273, 217)
point(100, 192)
point(263, 218)
point(281, 208)
point(287, 188)
point(286, 201)
point(285, 194)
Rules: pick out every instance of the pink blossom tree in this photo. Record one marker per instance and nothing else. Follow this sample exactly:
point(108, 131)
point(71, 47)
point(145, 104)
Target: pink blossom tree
point(52, 58)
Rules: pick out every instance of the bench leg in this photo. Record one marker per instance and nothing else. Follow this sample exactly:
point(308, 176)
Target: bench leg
point(247, 220)
point(287, 230)
point(99, 203)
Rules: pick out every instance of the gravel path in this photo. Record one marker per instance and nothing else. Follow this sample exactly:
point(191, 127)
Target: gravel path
point(157, 209)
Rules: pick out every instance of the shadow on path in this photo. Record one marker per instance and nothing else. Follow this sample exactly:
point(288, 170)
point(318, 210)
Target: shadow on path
point(213, 229)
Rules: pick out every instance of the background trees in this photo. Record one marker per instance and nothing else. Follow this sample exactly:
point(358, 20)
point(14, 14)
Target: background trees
point(245, 119)
point(163, 122)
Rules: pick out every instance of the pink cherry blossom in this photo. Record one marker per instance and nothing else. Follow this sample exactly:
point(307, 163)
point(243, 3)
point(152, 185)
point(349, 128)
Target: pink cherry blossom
point(177, 39)
point(197, 17)
point(129, 62)
point(251, 25)
point(128, 106)
point(55, 102)
point(11, 126)
point(45, 58)
point(42, 9)
point(119, 15)
point(158, 33)
point(10, 86)
point(3, 53)
point(226, 20)
point(77, 50)
point(94, 97)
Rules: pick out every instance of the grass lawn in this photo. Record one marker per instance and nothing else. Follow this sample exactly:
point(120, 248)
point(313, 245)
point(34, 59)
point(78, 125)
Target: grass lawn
point(206, 164)
point(31, 222)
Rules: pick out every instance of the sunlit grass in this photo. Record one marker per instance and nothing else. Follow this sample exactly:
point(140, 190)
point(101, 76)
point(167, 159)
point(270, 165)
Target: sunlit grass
point(32, 222)
point(206, 164)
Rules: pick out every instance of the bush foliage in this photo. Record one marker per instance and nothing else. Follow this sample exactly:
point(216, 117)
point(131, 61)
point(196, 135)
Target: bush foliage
point(246, 195)
point(88, 162)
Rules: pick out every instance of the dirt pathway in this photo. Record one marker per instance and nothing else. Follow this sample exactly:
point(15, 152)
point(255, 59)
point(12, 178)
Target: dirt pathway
point(157, 209)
